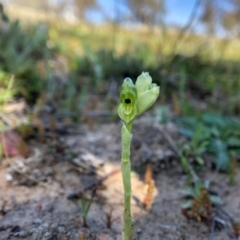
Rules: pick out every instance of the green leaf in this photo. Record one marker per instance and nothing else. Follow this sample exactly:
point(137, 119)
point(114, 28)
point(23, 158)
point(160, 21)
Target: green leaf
point(187, 132)
point(200, 160)
point(206, 184)
point(215, 120)
point(202, 146)
point(222, 158)
point(216, 199)
point(197, 135)
point(186, 204)
point(83, 206)
point(197, 187)
point(234, 142)
point(187, 192)
point(184, 163)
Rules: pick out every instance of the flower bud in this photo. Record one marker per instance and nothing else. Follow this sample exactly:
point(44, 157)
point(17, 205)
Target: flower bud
point(143, 82)
point(147, 98)
point(147, 92)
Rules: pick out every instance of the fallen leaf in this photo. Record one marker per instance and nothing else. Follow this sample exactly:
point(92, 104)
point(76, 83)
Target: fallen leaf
point(13, 144)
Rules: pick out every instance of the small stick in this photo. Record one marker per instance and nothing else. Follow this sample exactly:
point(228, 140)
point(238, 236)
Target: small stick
point(78, 194)
point(213, 222)
point(38, 182)
point(109, 218)
point(168, 138)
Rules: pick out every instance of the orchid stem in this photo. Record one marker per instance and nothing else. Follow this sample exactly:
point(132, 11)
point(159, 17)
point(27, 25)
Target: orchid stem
point(126, 175)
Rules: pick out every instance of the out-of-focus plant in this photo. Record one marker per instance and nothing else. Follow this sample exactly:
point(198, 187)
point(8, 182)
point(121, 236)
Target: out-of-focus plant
point(4, 94)
point(222, 133)
point(232, 167)
point(109, 220)
point(85, 206)
point(199, 201)
point(105, 64)
point(21, 50)
point(191, 153)
point(1, 142)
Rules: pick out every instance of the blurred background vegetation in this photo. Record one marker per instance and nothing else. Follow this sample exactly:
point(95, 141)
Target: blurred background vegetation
point(80, 43)
point(54, 44)
point(67, 54)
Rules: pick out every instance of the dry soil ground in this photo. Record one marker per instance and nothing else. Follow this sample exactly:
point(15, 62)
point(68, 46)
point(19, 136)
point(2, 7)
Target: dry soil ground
point(34, 191)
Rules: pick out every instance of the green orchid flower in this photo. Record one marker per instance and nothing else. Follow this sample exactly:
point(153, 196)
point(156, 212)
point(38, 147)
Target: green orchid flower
point(127, 109)
point(136, 99)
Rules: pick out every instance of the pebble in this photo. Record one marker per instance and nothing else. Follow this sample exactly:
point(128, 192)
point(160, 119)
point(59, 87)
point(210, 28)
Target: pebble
point(37, 221)
point(47, 234)
point(160, 154)
point(45, 225)
point(54, 225)
point(139, 230)
point(61, 229)
point(20, 234)
point(8, 177)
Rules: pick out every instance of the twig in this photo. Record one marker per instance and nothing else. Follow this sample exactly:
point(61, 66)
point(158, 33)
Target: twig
point(212, 228)
point(180, 38)
point(100, 113)
point(168, 138)
point(5, 119)
point(78, 194)
point(187, 26)
point(38, 182)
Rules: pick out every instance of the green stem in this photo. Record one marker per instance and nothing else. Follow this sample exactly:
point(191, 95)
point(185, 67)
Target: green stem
point(126, 135)
point(129, 128)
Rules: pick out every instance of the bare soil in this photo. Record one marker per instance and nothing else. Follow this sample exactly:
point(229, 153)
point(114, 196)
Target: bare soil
point(34, 190)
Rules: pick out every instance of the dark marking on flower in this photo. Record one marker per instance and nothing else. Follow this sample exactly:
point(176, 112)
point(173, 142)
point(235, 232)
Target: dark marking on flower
point(127, 101)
